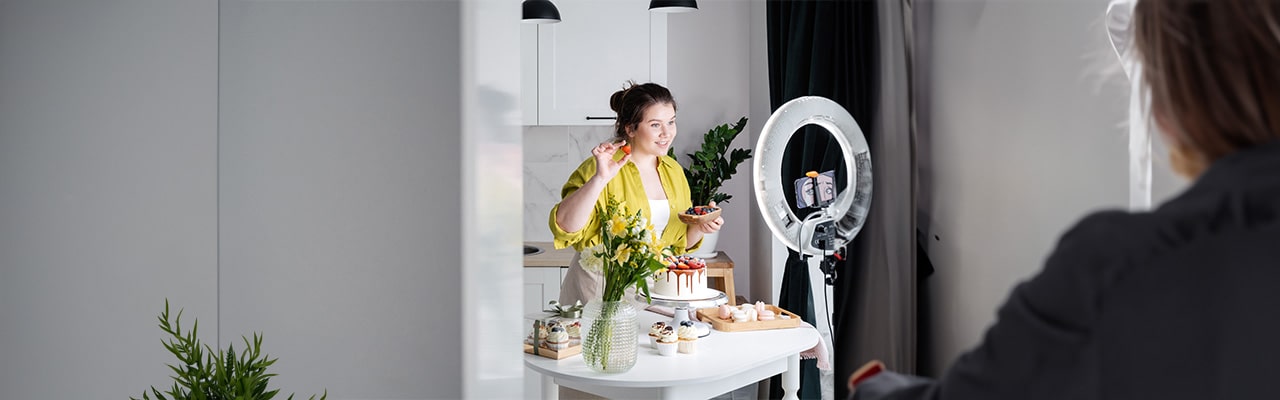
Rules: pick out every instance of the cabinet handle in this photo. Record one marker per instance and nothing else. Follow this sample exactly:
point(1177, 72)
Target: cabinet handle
point(591, 118)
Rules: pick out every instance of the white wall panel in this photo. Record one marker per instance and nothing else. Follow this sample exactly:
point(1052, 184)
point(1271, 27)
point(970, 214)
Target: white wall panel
point(108, 128)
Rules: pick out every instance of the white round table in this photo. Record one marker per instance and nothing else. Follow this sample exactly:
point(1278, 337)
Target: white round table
point(724, 361)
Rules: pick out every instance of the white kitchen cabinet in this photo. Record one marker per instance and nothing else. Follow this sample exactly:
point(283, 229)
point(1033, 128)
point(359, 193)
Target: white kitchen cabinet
point(577, 64)
point(541, 285)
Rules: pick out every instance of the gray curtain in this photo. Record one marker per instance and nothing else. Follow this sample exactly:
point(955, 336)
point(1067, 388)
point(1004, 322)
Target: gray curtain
point(880, 312)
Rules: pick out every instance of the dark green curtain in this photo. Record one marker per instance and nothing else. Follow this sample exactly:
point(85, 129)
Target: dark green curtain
point(822, 48)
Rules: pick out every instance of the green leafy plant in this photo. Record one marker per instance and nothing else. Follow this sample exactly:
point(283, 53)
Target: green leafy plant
point(205, 374)
point(713, 164)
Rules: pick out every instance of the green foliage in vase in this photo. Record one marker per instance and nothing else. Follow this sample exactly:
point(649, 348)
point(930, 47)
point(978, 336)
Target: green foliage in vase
point(713, 164)
point(205, 374)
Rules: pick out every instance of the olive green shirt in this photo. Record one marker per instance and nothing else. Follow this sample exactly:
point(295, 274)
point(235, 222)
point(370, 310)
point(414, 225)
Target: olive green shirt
point(627, 187)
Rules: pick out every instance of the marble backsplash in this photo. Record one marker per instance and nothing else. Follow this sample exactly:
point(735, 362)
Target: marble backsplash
point(550, 154)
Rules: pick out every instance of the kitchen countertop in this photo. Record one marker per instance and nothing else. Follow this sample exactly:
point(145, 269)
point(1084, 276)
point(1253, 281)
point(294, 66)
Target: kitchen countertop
point(549, 257)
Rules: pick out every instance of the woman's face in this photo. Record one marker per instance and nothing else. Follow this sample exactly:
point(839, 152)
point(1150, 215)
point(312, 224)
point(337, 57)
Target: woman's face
point(656, 131)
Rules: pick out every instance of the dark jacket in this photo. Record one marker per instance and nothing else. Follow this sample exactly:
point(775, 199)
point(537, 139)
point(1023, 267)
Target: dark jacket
point(1182, 302)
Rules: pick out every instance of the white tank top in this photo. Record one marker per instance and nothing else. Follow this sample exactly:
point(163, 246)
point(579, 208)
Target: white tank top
point(659, 213)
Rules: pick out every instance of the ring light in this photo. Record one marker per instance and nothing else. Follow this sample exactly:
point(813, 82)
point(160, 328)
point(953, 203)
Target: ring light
point(821, 233)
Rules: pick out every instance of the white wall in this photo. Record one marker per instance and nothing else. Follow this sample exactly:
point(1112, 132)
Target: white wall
point(708, 69)
point(108, 160)
point(334, 184)
point(1024, 138)
point(339, 225)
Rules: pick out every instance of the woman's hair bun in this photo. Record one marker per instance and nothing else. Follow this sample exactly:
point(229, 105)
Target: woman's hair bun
point(615, 101)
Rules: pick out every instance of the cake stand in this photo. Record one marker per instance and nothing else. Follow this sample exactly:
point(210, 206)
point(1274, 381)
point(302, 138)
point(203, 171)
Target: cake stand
point(712, 298)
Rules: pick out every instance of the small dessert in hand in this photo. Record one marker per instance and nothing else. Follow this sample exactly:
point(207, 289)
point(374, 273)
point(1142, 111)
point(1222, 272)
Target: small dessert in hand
point(655, 332)
point(688, 337)
point(557, 339)
point(667, 341)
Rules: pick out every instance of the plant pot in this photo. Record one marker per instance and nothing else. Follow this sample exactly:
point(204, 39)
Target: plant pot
point(708, 248)
point(611, 340)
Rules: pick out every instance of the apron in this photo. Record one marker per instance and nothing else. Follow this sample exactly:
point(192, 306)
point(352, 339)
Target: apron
point(580, 284)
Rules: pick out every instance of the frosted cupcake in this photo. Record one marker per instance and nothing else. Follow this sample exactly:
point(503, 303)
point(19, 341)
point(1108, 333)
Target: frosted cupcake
point(667, 340)
point(574, 329)
point(688, 337)
point(557, 339)
point(538, 336)
point(655, 332)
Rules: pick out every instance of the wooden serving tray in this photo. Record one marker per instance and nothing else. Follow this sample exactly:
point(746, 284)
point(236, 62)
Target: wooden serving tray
point(711, 315)
point(554, 354)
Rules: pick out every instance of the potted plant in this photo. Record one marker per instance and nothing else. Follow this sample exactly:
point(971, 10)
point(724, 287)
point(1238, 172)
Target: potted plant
point(709, 167)
point(205, 373)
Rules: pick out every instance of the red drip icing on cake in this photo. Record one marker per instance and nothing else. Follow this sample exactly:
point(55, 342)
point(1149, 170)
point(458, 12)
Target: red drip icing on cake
point(685, 277)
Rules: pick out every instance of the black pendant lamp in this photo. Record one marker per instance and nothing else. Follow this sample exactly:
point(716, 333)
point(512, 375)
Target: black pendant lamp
point(540, 12)
point(673, 6)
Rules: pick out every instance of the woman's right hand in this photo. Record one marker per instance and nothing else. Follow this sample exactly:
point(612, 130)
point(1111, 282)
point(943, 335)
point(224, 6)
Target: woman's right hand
point(606, 167)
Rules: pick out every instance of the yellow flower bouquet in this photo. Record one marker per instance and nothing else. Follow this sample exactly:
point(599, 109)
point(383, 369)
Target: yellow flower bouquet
point(627, 253)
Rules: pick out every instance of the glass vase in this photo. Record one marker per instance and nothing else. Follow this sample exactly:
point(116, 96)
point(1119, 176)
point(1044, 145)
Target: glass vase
point(610, 342)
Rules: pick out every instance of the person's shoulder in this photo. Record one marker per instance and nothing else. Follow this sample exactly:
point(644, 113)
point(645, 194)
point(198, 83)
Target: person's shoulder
point(1105, 244)
point(670, 163)
point(1109, 231)
point(1107, 224)
point(587, 167)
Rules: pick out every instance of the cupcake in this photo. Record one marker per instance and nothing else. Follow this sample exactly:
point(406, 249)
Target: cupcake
point(688, 337)
point(574, 329)
point(655, 331)
point(538, 336)
point(667, 341)
point(557, 338)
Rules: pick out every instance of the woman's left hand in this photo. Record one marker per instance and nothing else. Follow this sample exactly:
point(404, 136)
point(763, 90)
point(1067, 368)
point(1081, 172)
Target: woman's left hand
point(714, 225)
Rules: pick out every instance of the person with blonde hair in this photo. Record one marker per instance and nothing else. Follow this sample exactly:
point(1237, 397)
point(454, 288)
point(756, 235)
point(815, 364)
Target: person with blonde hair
point(1172, 303)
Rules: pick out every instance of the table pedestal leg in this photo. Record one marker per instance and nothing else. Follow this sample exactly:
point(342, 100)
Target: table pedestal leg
point(791, 378)
point(550, 391)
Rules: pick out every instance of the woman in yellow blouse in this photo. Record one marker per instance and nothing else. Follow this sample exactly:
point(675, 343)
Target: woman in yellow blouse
point(645, 177)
